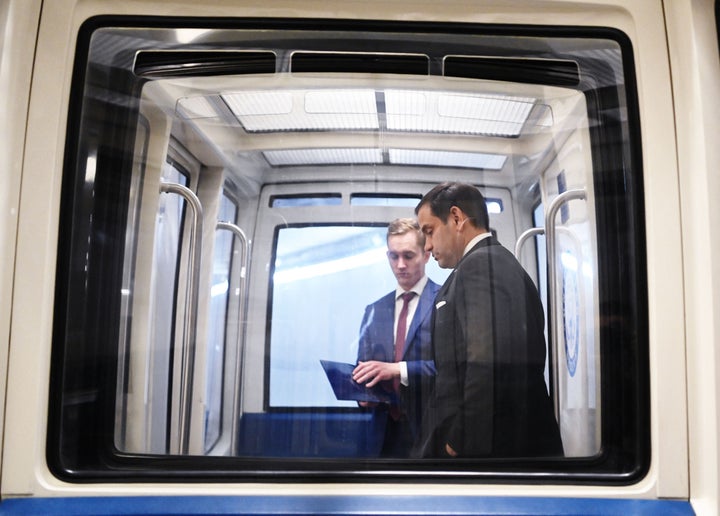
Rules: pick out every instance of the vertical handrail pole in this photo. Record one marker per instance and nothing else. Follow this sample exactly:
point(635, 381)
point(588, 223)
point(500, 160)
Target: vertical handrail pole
point(240, 352)
point(555, 206)
point(187, 364)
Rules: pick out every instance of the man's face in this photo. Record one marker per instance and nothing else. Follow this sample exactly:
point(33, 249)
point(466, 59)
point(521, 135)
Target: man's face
point(407, 259)
point(441, 239)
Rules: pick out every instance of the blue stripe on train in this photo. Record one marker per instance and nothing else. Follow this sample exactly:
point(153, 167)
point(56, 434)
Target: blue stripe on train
point(337, 505)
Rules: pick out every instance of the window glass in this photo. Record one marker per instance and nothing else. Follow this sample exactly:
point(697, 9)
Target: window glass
point(317, 273)
point(321, 273)
point(384, 200)
point(305, 200)
point(226, 255)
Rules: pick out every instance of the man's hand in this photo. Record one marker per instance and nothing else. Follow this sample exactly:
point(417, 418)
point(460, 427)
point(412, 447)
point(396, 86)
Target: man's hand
point(450, 451)
point(372, 372)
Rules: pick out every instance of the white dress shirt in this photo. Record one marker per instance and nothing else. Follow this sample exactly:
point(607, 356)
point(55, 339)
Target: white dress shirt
point(412, 306)
point(478, 238)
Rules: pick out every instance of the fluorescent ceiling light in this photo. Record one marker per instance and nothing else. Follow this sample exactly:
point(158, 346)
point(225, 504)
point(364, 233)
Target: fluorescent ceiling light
point(446, 159)
point(323, 156)
point(360, 156)
point(341, 102)
point(192, 108)
point(443, 112)
point(356, 109)
point(305, 110)
point(260, 103)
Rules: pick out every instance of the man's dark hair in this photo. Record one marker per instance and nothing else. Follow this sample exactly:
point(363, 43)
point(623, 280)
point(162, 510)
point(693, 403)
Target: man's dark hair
point(465, 196)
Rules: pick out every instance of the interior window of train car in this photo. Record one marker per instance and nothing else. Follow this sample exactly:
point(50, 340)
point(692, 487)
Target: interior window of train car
point(314, 270)
point(384, 200)
point(227, 194)
point(284, 201)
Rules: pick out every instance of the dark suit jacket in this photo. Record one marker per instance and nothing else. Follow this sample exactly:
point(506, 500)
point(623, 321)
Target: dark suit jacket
point(377, 341)
point(490, 398)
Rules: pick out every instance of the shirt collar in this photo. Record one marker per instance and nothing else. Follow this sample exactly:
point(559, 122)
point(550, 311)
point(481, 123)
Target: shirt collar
point(472, 243)
point(417, 288)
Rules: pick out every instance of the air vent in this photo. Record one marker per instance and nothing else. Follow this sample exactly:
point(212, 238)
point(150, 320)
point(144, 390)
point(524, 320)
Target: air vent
point(163, 64)
point(529, 71)
point(350, 62)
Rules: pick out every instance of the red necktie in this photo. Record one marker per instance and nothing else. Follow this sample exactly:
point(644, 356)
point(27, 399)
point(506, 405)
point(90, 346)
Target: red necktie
point(401, 332)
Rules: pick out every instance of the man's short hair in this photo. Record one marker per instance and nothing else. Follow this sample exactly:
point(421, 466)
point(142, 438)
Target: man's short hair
point(406, 225)
point(465, 196)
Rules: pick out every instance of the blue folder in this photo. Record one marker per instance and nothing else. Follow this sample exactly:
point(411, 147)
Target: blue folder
point(345, 388)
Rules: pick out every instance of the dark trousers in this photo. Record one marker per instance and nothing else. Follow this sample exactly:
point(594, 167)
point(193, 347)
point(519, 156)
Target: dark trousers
point(398, 437)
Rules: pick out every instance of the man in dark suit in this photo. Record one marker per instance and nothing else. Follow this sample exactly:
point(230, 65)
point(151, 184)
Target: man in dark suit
point(394, 346)
point(490, 397)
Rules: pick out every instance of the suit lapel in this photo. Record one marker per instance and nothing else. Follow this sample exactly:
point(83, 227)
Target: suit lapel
point(423, 310)
point(446, 286)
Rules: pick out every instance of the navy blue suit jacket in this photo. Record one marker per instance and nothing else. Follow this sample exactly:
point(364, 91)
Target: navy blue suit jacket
point(377, 343)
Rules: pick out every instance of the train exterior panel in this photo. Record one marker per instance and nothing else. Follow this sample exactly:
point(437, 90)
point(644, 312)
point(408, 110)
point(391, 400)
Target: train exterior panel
point(197, 198)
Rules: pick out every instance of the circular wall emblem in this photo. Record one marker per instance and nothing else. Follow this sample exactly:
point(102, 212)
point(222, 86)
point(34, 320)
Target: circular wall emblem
point(571, 318)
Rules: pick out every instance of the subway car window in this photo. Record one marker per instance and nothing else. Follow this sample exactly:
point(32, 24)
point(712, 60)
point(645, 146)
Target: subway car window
point(240, 203)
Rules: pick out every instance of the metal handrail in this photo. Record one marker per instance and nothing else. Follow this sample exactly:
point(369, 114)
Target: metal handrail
point(187, 364)
point(555, 206)
point(240, 354)
point(523, 238)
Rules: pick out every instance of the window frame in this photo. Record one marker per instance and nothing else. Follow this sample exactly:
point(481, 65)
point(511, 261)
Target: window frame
point(100, 461)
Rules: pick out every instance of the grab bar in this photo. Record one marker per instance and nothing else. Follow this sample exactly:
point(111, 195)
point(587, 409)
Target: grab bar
point(523, 238)
point(240, 353)
point(556, 204)
point(187, 364)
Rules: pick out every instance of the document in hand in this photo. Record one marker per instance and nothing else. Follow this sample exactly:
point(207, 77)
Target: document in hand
point(345, 388)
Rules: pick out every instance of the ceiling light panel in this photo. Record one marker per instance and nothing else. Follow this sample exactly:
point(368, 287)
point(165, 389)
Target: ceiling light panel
point(446, 159)
point(305, 110)
point(193, 108)
point(442, 112)
point(260, 103)
point(299, 157)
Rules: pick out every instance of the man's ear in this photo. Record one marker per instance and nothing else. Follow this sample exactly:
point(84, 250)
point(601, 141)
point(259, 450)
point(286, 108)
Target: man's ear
point(457, 215)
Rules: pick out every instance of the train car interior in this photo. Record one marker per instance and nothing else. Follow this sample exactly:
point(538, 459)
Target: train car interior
point(229, 190)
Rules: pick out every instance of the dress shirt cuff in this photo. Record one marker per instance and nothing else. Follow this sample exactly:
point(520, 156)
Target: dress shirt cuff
point(403, 374)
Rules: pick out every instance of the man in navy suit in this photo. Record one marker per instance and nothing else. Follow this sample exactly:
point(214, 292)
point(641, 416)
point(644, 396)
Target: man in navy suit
point(490, 398)
point(394, 346)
